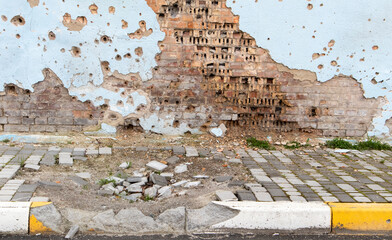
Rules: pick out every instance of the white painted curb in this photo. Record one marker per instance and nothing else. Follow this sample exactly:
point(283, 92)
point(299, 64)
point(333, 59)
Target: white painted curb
point(14, 217)
point(287, 216)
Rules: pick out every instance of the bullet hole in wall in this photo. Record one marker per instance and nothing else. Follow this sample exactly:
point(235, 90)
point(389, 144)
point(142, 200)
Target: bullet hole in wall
point(93, 9)
point(51, 35)
point(112, 10)
point(375, 47)
point(334, 63)
point(4, 18)
point(18, 21)
point(321, 66)
point(128, 55)
point(118, 57)
point(17, 36)
point(139, 51)
point(315, 56)
point(331, 43)
point(124, 24)
point(105, 39)
point(310, 6)
point(75, 51)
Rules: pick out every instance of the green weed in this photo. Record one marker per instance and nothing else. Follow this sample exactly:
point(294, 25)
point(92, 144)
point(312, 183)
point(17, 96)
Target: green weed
point(369, 144)
point(253, 142)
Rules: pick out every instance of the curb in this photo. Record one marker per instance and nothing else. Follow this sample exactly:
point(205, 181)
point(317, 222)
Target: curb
point(310, 217)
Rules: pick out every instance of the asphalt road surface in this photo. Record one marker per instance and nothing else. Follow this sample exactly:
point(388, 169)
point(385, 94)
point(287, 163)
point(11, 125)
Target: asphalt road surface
point(207, 237)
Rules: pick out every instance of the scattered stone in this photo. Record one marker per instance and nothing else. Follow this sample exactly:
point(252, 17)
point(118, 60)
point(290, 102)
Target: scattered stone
point(191, 151)
point(151, 192)
point(168, 176)
point(172, 160)
point(133, 197)
point(164, 192)
point(223, 178)
point(141, 149)
point(104, 192)
point(244, 195)
point(178, 150)
point(157, 166)
point(134, 179)
point(201, 177)
point(134, 188)
point(180, 183)
point(125, 165)
point(105, 151)
point(181, 168)
point(22, 197)
point(84, 175)
point(72, 232)
point(219, 131)
point(158, 180)
point(79, 181)
point(32, 166)
point(192, 184)
point(49, 184)
point(225, 196)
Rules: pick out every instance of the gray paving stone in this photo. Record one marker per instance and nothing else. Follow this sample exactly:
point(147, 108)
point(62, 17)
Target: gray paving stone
point(191, 151)
point(376, 198)
point(263, 196)
point(236, 183)
point(27, 188)
point(223, 178)
point(79, 181)
point(244, 195)
point(159, 180)
point(156, 166)
point(362, 199)
point(178, 150)
point(225, 196)
point(136, 179)
point(172, 160)
point(22, 196)
point(105, 151)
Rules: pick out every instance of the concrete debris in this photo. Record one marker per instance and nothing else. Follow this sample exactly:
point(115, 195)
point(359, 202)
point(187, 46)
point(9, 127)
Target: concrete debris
point(219, 131)
point(181, 168)
point(156, 166)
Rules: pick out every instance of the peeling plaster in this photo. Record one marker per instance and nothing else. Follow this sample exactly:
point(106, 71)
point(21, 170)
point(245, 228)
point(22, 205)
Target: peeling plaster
point(43, 41)
point(329, 38)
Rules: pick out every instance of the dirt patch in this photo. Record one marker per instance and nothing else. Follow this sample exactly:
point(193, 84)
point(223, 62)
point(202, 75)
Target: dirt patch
point(70, 195)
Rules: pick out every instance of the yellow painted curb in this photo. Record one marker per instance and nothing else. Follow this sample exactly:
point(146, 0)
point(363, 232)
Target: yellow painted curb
point(361, 217)
point(36, 226)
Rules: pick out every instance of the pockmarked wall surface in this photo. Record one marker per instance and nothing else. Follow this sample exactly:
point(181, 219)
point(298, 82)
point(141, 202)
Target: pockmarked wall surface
point(176, 66)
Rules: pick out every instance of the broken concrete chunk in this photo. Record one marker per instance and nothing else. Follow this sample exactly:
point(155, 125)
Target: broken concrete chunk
point(201, 177)
point(223, 178)
point(151, 192)
point(156, 166)
point(105, 151)
point(181, 168)
point(72, 232)
point(172, 160)
point(164, 192)
point(158, 180)
point(192, 184)
point(125, 165)
point(175, 218)
point(104, 192)
point(219, 131)
point(191, 151)
point(84, 175)
point(79, 181)
point(178, 150)
point(168, 176)
point(180, 183)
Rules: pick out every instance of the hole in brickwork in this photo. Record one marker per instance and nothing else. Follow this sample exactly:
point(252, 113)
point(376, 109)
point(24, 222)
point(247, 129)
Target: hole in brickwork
point(176, 124)
point(313, 112)
point(230, 63)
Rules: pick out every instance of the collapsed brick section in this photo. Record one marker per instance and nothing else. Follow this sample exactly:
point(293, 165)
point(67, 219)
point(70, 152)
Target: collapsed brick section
point(207, 60)
point(49, 108)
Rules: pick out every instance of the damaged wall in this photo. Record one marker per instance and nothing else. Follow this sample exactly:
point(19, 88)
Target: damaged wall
point(175, 66)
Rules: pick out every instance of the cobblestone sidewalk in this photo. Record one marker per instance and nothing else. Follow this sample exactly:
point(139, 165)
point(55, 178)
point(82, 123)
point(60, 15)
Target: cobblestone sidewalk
point(300, 175)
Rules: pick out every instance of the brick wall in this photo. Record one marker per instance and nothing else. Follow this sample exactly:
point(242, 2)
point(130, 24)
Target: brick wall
point(208, 72)
point(49, 108)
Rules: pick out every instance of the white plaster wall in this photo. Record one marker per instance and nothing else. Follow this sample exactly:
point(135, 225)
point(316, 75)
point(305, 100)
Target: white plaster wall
point(286, 28)
point(23, 59)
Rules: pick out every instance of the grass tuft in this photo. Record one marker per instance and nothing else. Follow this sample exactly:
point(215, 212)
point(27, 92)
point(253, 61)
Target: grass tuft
point(369, 144)
point(253, 142)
